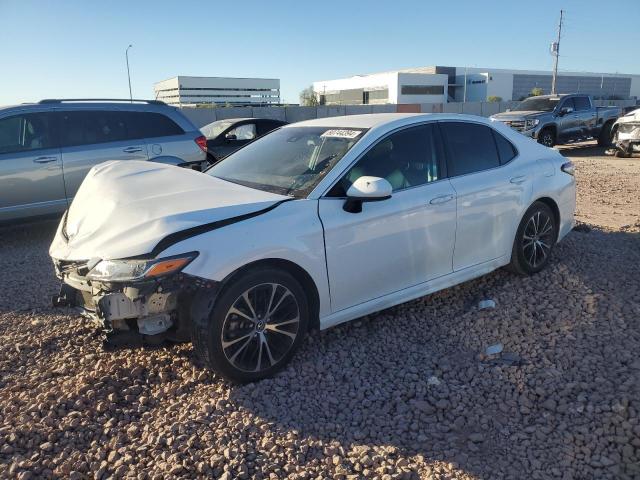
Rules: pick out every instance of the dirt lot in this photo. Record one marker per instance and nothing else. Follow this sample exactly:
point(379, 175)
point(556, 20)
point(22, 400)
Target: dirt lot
point(406, 393)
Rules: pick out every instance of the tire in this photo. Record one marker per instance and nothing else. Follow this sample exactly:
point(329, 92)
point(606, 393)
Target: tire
point(534, 241)
point(240, 340)
point(604, 139)
point(547, 137)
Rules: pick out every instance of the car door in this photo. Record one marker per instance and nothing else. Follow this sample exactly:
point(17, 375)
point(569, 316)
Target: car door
point(395, 243)
point(490, 192)
point(584, 115)
point(234, 138)
point(92, 136)
point(567, 123)
point(31, 181)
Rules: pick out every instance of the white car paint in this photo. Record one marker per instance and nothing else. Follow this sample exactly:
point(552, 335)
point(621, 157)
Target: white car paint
point(393, 251)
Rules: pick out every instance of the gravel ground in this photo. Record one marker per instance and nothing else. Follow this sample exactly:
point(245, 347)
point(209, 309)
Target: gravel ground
point(406, 393)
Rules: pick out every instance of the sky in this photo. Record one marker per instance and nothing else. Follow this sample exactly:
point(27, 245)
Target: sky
point(73, 48)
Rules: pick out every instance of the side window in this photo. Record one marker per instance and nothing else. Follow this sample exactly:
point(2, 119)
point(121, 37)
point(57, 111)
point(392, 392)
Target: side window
point(582, 103)
point(471, 147)
point(29, 131)
point(266, 127)
point(150, 125)
point(87, 127)
point(244, 132)
point(407, 158)
point(568, 103)
point(506, 150)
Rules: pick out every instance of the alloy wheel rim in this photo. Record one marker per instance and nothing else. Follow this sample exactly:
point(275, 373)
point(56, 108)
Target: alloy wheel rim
point(537, 239)
point(260, 327)
point(547, 140)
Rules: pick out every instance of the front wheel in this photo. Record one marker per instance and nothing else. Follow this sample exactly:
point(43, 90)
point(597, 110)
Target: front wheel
point(547, 138)
point(256, 325)
point(534, 240)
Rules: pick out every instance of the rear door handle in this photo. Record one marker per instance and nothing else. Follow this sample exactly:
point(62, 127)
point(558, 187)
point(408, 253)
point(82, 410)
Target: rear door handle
point(518, 180)
point(132, 150)
point(441, 199)
point(45, 159)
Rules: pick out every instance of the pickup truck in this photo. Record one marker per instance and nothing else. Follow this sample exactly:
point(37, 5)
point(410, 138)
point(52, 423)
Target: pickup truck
point(558, 119)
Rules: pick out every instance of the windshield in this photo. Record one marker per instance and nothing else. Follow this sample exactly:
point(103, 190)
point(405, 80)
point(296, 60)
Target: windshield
point(214, 129)
point(547, 104)
point(290, 161)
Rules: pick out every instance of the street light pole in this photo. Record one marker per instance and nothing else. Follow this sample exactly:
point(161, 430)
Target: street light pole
point(126, 53)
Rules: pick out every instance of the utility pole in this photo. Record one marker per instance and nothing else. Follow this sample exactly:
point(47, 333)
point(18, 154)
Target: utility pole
point(126, 53)
point(464, 94)
point(555, 50)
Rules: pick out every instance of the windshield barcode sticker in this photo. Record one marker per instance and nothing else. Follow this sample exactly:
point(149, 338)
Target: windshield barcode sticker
point(341, 133)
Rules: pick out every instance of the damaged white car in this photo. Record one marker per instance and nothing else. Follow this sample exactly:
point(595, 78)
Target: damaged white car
point(312, 225)
point(626, 134)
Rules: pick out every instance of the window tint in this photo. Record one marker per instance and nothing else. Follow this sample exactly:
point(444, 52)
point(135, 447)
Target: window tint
point(582, 103)
point(471, 148)
point(505, 149)
point(149, 125)
point(568, 103)
point(25, 132)
point(422, 89)
point(406, 159)
point(244, 132)
point(86, 127)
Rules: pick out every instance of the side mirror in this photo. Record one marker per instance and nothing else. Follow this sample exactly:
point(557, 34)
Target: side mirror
point(231, 136)
point(565, 111)
point(366, 189)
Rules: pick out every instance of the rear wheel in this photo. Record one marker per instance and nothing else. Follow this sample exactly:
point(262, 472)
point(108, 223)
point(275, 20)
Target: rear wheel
point(256, 325)
point(534, 240)
point(547, 137)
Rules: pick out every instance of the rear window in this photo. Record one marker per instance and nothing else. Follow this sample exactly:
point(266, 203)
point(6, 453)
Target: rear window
point(150, 124)
point(85, 127)
point(582, 103)
point(471, 147)
point(506, 150)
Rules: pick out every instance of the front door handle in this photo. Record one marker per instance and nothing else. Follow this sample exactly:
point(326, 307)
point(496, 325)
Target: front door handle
point(132, 150)
point(518, 180)
point(441, 199)
point(45, 159)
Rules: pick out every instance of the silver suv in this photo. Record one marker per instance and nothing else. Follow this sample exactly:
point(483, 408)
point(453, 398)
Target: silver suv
point(47, 148)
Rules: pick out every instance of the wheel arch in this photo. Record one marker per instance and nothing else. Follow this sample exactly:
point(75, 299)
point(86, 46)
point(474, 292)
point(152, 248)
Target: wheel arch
point(551, 203)
point(297, 272)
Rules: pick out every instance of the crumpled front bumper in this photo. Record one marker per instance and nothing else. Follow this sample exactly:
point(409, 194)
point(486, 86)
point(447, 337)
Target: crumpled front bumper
point(627, 136)
point(147, 310)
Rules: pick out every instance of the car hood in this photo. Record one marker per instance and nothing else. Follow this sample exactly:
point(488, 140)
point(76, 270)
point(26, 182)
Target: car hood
point(631, 117)
point(508, 116)
point(124, 208)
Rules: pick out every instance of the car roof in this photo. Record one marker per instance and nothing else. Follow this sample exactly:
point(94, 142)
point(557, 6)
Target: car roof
point(376, 120)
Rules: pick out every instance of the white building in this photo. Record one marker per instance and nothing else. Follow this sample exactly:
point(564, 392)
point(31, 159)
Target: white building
point(181, 91)
point(439, 84)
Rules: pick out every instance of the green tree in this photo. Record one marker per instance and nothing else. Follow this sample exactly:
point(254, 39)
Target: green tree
point(308, 97)
point(494, 98)
point(536, 92)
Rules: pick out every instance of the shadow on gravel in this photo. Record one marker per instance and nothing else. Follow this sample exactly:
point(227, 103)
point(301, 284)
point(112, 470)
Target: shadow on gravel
point(412, 379)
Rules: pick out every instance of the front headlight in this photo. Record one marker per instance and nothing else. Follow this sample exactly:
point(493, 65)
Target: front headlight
point(131, 270)
point(530, 123)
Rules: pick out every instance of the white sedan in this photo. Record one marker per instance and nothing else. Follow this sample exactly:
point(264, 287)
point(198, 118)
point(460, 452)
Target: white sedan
point(314, 224)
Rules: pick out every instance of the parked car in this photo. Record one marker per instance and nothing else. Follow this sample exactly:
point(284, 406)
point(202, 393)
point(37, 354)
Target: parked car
point(315, 224)
point(47, 148)
point(558, 119)
point(626, 134)
point(226, 136)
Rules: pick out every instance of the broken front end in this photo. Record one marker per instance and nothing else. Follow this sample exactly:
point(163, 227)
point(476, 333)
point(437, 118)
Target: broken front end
point(626, 136)
point(133, 301)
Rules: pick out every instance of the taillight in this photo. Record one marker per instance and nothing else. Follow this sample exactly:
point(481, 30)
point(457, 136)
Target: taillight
point(569, 168)
point(202, 143)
